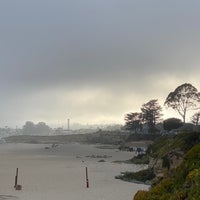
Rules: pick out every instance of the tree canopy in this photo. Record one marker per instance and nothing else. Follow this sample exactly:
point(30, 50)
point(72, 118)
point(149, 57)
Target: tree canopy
point(31, 129)
point(172, 123)
point(196, 118)
point(133, 121)
point(151, 112)
point(183, 98)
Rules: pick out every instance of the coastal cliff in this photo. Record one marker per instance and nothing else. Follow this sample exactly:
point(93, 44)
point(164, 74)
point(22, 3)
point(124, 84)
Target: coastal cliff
point(176, 164)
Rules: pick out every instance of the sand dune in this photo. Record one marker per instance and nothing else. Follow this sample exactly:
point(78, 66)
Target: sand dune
point(59, 173)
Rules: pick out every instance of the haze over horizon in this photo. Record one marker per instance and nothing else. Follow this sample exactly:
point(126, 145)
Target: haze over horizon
point(93, 61)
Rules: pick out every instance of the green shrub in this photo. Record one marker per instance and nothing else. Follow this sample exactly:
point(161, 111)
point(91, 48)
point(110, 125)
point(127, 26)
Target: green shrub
point(141, 176)
point(166, 162)
point(140, 195)
point(140, 159)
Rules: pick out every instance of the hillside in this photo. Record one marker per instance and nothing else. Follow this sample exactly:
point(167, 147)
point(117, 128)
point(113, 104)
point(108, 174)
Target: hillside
point(177, 159)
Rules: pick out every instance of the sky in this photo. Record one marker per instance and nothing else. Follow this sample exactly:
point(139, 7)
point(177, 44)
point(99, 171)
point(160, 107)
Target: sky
point(93, 61)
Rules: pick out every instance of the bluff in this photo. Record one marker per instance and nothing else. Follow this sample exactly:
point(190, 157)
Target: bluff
point(176, 163)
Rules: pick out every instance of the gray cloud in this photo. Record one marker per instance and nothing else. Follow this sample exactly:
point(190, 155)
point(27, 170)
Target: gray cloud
point(120, 47)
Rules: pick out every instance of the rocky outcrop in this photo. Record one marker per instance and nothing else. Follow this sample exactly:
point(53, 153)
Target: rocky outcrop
point(170, 161)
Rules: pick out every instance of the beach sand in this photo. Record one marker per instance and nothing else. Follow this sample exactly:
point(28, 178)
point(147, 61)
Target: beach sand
point(59, 173)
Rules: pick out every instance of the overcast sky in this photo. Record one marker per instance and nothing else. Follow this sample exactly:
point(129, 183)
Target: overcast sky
point(94, 60)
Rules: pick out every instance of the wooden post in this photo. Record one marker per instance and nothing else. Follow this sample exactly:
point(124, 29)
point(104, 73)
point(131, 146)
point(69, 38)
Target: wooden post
point(17, 186)
point(16, 178)
point(87, 180)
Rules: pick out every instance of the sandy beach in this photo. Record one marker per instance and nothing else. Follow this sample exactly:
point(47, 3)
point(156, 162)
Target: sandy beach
point(47, 173)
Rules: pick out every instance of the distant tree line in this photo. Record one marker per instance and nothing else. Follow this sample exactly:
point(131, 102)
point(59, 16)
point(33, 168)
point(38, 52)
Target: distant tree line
point(36, 129)
point(184, 98)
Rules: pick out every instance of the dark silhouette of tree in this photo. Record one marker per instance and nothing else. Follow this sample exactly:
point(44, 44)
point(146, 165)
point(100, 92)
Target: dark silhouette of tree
point(31, 129)
point(28, 128)
point(172, 123)
point(42, 128)
point(133, 121)
point(151, 112)
point(182, 99)
point(196, 118)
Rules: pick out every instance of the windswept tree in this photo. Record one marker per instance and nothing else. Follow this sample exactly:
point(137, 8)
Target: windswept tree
point(133, 121)
point(151, 112)
point(185, 97)
point(196, 118)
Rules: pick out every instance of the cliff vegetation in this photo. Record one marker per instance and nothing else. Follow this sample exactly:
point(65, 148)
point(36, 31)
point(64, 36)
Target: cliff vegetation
point(178, 171)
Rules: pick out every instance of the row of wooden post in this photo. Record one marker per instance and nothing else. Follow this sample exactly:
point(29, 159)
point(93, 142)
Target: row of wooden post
point(19, 187)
